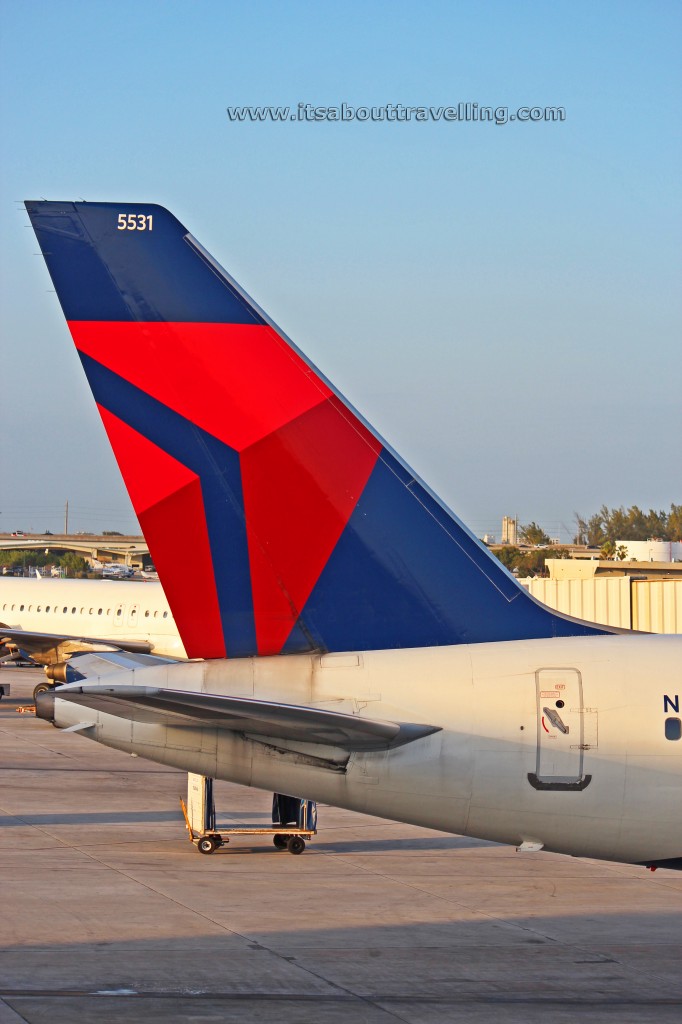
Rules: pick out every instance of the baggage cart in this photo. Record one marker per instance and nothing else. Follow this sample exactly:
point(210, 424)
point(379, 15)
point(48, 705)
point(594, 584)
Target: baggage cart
point(200, 819)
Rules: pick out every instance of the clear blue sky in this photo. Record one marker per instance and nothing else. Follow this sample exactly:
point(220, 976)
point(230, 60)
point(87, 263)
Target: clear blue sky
point(502, 302)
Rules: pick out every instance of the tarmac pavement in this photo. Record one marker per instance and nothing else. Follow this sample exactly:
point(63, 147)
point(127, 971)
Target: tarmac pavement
point(109, 914)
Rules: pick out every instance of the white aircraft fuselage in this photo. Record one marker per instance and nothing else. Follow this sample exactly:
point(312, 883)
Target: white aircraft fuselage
point(560, 743)
point(109, 610)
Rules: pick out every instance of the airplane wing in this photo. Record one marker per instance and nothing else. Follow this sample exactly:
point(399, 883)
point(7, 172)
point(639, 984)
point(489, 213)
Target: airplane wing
point(290, 722)
point(37, 645)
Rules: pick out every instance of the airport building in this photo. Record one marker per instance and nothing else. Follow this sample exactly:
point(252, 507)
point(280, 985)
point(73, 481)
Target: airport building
point(630, 595)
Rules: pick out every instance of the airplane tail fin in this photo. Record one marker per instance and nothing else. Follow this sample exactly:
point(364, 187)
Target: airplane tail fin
point(278, 520)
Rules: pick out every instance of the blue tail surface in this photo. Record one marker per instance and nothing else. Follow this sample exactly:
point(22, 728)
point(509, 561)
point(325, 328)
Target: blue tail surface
point(305, 531)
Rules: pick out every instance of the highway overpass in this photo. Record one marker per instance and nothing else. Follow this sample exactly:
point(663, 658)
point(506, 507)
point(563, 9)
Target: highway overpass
point(132, 550)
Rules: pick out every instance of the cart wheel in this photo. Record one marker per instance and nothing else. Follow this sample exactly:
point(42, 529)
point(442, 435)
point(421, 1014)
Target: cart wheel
point(296, 845)
point(281, 842)
point(206, 844)
point(42, 688)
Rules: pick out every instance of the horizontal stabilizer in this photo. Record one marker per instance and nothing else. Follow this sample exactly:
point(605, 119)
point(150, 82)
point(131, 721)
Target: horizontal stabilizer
point(244, 715)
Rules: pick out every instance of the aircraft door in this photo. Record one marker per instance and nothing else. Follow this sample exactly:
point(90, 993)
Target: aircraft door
point(560, 730)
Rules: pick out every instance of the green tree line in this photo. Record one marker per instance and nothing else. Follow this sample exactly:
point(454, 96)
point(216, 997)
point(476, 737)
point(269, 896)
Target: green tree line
point(528, 563)
point(612, 524)
point(75, 565)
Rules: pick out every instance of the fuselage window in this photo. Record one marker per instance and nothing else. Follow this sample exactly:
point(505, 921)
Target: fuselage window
point(65, 610)
point(673, 728)
point(119, 612)
point(30, 607)
point(73, 611)
point(146, 614)
point(99, 612)
point(92, 611)
point(21, 607)
point(47, 608)
point(155, 614)
point(165, 615)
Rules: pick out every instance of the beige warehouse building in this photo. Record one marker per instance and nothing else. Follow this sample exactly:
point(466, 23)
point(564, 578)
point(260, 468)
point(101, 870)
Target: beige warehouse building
point(632, 595)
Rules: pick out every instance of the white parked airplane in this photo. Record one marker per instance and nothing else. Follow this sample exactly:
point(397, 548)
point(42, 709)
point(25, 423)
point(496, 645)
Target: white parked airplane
point(361, 646)
point(50, 620)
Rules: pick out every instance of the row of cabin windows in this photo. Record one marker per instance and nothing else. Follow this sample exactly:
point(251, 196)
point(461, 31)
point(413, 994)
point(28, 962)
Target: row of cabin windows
point(65, 611)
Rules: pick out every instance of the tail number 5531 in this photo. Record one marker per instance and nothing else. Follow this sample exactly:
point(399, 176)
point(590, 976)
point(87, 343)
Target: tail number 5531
point(134, 222)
